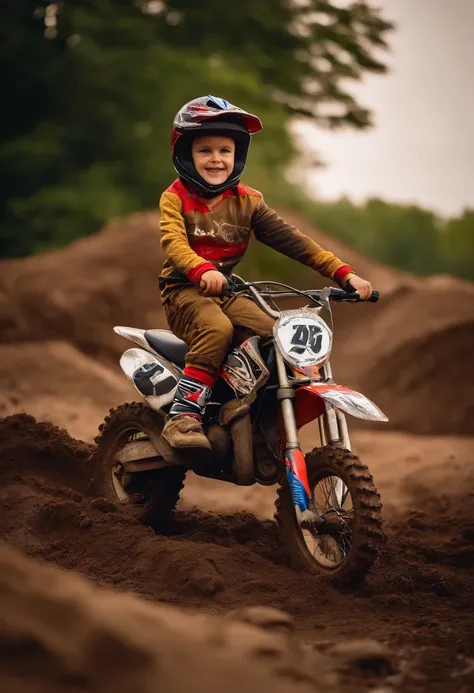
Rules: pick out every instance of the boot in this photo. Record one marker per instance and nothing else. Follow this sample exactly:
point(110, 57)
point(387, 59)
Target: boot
point(184, 426)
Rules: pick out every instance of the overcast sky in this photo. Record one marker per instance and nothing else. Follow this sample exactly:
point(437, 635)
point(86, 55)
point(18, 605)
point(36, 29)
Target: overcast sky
point(422, 146)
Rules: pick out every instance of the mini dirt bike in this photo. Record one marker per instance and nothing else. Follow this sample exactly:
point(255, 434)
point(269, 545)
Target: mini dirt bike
point(328, 509)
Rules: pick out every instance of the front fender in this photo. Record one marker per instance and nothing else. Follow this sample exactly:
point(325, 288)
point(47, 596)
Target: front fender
point(310, 402)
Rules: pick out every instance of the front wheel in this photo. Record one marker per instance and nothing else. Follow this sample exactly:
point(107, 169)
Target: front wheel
point(341, 484)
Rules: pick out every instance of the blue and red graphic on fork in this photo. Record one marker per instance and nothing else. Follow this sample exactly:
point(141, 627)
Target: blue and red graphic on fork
point(297, 476)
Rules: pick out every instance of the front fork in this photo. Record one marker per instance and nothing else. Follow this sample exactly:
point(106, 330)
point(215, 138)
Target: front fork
point(332, 424)
point(332, 429)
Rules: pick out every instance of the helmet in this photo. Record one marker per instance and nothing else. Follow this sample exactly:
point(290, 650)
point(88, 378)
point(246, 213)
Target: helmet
point(210, 115)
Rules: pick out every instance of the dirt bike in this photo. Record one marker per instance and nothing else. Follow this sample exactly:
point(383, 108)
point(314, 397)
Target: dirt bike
point(328, 509)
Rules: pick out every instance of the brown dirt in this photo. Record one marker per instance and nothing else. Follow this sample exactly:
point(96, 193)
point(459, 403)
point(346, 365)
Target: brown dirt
point(418, 600)
point(410, 352)
point(58, 361)
point(79, 293)
point(60, 633)
point(55, 381)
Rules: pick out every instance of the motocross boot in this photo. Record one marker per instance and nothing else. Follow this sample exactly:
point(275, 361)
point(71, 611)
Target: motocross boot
point(184, 426)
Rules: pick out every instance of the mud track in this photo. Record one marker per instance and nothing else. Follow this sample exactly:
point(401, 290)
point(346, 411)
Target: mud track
point(418, 600)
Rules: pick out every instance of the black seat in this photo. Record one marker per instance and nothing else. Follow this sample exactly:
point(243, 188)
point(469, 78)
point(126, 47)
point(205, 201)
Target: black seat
point(168, 345)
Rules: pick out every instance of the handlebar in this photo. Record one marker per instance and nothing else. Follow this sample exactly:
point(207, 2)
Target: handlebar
point(235, 285)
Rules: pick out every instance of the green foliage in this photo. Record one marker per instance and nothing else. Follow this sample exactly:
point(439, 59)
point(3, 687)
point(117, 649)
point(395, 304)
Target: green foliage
point(457, 245)
point(87, 109)
point(403, 236)
point(261, 262)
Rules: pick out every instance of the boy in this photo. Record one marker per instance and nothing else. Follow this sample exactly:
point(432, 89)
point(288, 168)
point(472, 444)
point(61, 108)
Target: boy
point(207, 217)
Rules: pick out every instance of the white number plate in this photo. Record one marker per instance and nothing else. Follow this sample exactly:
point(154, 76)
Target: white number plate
point(305, 340)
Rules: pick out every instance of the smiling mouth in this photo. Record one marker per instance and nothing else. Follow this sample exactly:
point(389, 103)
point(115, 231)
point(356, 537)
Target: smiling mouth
point(215, 170)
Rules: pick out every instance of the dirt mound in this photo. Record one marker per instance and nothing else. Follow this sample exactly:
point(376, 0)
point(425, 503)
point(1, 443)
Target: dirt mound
point(79, 293)
point(51, 511)
point(60, 633)
point(396, 351)
point(411, 354)
point(55, 381)
point(417, 599)
point(439, 369)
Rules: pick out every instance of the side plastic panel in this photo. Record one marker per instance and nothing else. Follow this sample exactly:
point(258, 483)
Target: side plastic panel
point(341, 397)
point(150, 376)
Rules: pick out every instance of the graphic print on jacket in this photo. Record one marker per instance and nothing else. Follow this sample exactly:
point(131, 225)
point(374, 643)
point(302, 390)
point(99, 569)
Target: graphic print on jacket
point(222, 243)
point(196, 239)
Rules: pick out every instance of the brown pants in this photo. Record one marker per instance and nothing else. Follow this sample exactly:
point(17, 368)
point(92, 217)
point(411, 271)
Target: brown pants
point(207, 324)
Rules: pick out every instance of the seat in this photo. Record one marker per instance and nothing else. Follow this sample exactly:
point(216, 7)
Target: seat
point(168, 345)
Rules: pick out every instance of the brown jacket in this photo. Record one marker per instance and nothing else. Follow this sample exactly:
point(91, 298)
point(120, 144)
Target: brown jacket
point(196, 239)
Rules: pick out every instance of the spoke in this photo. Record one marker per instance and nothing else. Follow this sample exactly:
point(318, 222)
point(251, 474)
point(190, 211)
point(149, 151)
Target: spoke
point(344, 543)
point(333, 549)
point(327, 493)
point(335, 502)
point(343, 517)
point(344, 497)
point(327, 485)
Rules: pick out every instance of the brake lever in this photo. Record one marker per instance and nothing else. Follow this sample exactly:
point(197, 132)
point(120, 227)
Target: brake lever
point(233, 286)
point(227, 291)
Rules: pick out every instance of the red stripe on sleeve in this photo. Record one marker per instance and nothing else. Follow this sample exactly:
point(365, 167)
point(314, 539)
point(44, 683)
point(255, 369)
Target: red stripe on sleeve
point(196, 273)
point(342, 272)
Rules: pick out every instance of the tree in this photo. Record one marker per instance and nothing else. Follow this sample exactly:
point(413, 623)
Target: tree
point(86, 114)
point(457, 245)
point(404, 236)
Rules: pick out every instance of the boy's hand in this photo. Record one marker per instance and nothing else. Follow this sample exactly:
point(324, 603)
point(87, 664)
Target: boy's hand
point(363, 287)
point(212, 283)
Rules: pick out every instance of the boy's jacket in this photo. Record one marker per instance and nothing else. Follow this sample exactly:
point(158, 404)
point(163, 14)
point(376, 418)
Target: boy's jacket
point(196, 239)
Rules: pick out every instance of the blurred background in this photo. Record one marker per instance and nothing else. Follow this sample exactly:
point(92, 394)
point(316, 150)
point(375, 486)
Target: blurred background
point(378, 92)
point(367, 147)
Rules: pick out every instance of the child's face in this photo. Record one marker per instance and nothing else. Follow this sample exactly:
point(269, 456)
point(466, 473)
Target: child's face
point(213, 157)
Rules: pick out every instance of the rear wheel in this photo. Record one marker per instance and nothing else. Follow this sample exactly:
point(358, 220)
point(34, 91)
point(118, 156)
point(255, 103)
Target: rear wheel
point(152, 495)
point(344, 493)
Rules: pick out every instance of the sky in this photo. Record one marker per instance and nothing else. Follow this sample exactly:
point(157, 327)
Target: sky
point(422, 146)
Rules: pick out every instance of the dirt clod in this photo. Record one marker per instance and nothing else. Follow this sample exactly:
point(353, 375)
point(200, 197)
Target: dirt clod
point(265, 617)
point(367, 655)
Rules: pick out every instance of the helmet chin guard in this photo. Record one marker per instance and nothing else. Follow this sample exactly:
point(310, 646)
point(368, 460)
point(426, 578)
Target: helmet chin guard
point(210, 115)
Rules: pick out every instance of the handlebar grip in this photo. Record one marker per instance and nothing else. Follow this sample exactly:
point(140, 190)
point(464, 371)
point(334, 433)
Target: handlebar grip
point(341, 295)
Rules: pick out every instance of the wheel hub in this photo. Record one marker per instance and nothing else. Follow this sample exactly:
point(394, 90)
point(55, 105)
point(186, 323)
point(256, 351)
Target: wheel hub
point(332, 523)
